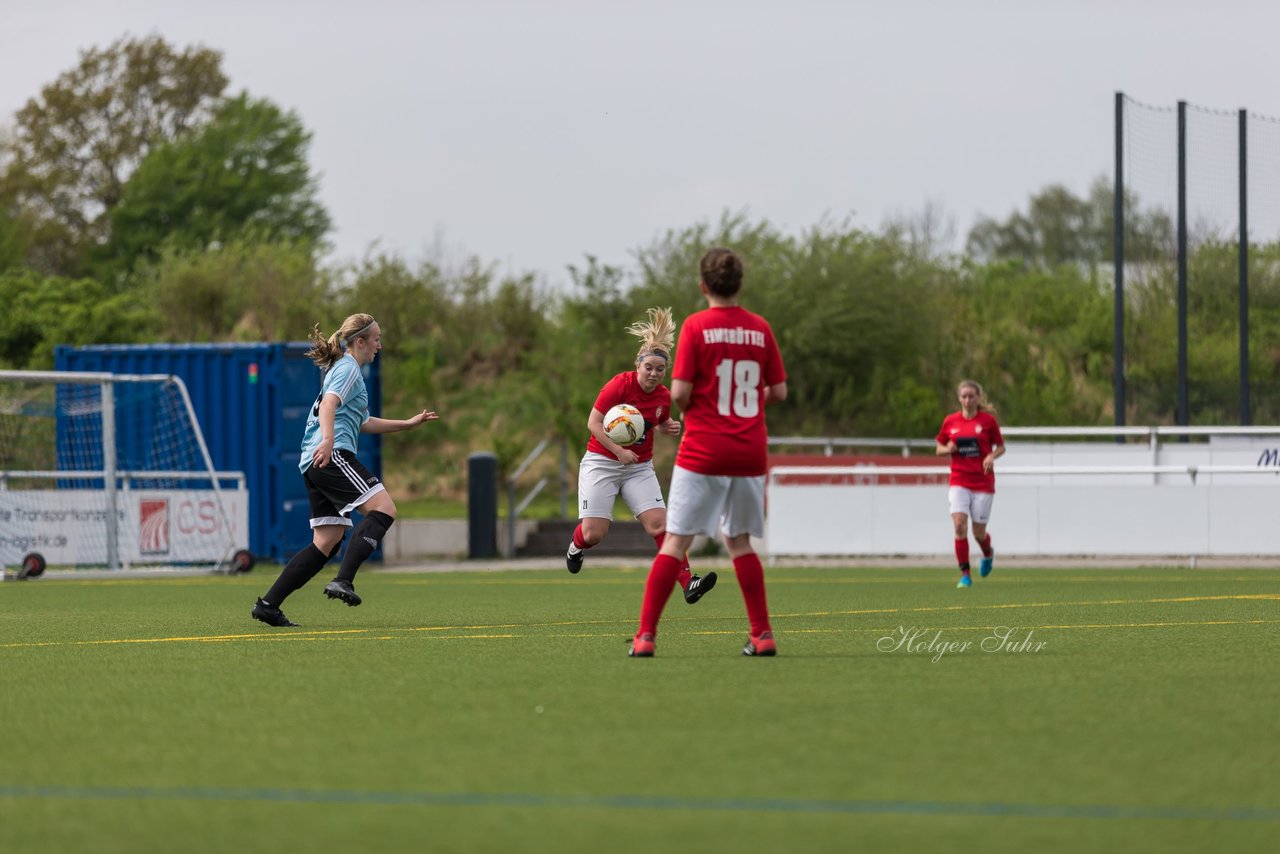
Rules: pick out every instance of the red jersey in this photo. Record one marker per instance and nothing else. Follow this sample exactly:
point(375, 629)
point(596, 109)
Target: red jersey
point(729, 355)
point(974, 438)
point(654, 405)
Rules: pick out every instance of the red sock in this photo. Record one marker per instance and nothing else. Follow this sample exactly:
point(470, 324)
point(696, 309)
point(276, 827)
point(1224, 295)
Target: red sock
point(962, 552)
point(682, 578)
point(985, 545)
point(579, 540)
point(657, 590)
point(751, 579)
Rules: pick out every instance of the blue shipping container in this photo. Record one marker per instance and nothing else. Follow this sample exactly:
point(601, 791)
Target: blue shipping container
point(252, 401)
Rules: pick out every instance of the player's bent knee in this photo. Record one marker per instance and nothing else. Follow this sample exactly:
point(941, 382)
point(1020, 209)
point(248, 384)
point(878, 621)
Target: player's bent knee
point(594, 531)
point(654, 521)
point(380, 503)
point(327, 547)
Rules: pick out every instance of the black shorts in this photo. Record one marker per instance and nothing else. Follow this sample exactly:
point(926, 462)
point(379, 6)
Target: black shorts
point(339, 488)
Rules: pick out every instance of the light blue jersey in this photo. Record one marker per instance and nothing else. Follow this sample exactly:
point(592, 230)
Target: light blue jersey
point(345, 380)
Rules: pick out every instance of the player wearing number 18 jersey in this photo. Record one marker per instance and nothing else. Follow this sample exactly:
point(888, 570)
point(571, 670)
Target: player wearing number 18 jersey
point(727, 369)
point(724, 353)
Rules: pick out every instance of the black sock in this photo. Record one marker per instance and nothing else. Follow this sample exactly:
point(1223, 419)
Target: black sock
point(366, 537)
point(300, 569)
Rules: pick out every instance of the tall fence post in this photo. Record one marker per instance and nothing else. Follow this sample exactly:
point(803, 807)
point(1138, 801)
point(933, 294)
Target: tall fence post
point(1246, 417)
point(1118, 344)
point(1184, 407)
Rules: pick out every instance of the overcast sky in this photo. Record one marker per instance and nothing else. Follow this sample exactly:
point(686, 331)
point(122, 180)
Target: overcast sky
point(533, 133)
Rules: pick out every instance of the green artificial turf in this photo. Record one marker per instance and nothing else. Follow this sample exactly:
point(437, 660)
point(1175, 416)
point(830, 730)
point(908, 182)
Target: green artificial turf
point(1129, 710)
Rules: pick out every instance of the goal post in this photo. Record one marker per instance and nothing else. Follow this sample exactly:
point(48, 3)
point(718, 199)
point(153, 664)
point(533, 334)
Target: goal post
point(112, 470)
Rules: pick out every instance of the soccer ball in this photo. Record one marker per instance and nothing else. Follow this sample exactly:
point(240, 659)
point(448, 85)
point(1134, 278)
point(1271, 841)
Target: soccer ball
point(624, 424)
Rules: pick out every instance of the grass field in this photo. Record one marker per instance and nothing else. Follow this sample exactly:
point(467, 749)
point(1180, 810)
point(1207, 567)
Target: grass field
point(1131, 710)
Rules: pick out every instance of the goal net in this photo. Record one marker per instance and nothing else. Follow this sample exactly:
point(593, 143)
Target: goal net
point(112, 471)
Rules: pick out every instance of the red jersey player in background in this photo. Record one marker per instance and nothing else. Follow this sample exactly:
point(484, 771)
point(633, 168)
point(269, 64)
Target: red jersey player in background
point(727, 370)
point(609, 469)
point(971, 437)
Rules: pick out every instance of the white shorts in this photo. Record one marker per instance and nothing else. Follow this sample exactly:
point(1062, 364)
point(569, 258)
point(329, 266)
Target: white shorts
point(701, 501)
point(975, 505)
point(601, 480)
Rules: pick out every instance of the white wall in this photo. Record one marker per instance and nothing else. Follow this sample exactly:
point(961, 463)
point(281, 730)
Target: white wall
point(418, 539)
point(1053, 514)
point(1029, 520)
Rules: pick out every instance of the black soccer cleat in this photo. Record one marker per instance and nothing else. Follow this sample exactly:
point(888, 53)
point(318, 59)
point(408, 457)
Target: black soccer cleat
point(340, 588)
point(574, 561)
point(699, 586)
point(270, 615)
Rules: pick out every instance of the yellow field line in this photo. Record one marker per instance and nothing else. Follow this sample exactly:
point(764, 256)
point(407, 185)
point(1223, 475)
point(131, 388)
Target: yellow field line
point(327, 633)
point(348, 635)
point(253, 636)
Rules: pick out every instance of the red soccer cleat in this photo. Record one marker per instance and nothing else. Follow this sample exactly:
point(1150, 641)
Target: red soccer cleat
point(642, 646)
point(762, 645)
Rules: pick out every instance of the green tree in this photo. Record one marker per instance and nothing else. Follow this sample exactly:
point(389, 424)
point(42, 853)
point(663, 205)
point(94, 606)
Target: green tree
point(74, 147)
point(246, 170)
point(245, 290)
point(1059, 227)
point(1039, 341)
point(476, 348)
point(13, 242)
point(42, 312)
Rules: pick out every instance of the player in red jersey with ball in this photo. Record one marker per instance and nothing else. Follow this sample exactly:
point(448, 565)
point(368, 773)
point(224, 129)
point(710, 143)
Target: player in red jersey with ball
point(971, 437)
point(609, 469)
point(727, 370)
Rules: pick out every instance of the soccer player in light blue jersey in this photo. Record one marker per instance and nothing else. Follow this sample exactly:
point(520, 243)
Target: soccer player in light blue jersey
point(337, 482)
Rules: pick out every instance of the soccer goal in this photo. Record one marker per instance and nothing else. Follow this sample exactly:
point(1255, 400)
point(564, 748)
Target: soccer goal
point(102, 470)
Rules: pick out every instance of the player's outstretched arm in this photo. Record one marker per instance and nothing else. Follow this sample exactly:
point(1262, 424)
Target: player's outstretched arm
point(392, 425)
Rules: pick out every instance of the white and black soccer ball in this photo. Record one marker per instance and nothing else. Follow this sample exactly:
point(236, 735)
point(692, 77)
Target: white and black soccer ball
point(624, 424)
